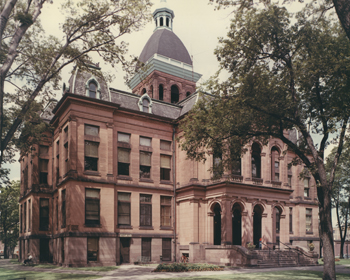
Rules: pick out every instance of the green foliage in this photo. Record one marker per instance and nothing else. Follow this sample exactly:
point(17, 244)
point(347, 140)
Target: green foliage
point(24, 18)
point(9, 214)
point(180, 267)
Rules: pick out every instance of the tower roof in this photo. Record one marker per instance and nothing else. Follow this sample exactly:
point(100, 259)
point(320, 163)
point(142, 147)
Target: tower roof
point(165, 42)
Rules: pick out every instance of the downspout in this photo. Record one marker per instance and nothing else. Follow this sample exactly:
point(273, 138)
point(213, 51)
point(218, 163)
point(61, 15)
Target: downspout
point(52, 182)
point(174, 185)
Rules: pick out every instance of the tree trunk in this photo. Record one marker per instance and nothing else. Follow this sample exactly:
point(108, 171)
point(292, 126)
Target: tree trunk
point(342, 241)
point(342, 8)
point(326, 232)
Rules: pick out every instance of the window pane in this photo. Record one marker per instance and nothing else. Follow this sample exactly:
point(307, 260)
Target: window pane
point(165, 199)
point(124, 196)
point(145, 172)
point(91, 130)
point(123, 155)
point(145, 141)
point(145, 198)
point(165, 161)
point(145, 158)
point(92, 193)
point(306, 182)
point(91, 149)
point(165, 145)
point(43, 150)
point(44, 202)
point(123, 137)
point(92, 86)
point(43, 165)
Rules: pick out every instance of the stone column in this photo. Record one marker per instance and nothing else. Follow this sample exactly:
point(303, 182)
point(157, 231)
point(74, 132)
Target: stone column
point(226, 223)
point(210, 228)
point(246, 227)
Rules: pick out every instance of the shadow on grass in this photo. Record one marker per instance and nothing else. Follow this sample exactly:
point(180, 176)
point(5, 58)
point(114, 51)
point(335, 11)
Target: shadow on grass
point(7, 274)
point(278, 275)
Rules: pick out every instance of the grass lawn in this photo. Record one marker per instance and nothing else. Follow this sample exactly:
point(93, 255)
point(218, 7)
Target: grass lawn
point(7, 274)
point(341, 261)
point(278, 275)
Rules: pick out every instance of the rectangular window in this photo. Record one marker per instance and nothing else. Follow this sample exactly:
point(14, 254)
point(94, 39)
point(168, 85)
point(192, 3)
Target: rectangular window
point(43, 150)
point(165, 145)
point(29, 215)
point(92, 249)
point(166, 249)
point(145, 210)
point(66, 157)
point(309, 220)
point(123, 137)
point(290, 220)
point(124, 209)
point(25, 216)
point(56, 213)
point(91, 130)
point(21, 219)
point(63, 209)
point(43, 167)
point(236, 167)
point(123, 161)
point(92, 206)
point(91, 155)
point(306, 187)
point(145, 164)
point(66, 134)
point(146, 249)
point(25, 178)
point(290, 180)
point(165, 167)
point(165, 211)
point(44, 214)
point(144, 141)
point(57, 162)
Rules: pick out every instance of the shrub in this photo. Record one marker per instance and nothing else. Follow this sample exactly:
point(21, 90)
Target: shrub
point(180, 267)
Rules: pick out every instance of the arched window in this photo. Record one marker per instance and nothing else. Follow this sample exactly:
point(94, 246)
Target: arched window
point(161, 92)
point(145, 105)
point(151, 92)
point(275, 164)
point(167, 22)
point(144, 91)
point(256, 161)
point(188, 93)
point(92, 89)
point(174, 94)
point(161, 21)
point(217, 224)
point(257, 215)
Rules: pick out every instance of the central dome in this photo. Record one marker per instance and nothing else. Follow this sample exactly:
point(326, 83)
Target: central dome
point(165, 42)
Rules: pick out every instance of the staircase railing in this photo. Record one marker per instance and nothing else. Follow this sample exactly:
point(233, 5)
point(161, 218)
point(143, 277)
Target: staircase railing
point(297, 251)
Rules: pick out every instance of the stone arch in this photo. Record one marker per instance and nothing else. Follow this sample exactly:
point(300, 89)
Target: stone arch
point(258, 211)
point(212, 204)
point(145, 103)
point(240, 202)
point(217, 210)
point(277, 210)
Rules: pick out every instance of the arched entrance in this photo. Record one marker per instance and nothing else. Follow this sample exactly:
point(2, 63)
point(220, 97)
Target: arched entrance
point(257, 214)
point(236, 224)
point(217, 224)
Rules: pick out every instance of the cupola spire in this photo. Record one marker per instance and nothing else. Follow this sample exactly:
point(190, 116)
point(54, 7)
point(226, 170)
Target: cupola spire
point(163, 16)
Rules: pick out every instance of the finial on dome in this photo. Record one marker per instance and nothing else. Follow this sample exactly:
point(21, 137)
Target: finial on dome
point(163, 16)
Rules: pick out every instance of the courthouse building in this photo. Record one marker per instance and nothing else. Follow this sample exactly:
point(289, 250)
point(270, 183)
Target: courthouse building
point(110, 185)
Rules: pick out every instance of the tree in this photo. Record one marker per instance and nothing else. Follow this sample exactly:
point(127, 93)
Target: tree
point(9, 216)
point(31, 62)
point(284, 75)
point(341, 192)
point(342, 8)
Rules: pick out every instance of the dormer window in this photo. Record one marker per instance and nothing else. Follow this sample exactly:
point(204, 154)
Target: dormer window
point(92, 89)
point(145, 103)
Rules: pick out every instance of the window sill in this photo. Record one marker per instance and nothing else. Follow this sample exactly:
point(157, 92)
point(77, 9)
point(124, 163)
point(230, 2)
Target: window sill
point(124, 227)
point(145, 148)
point(92, 173)
point(146, 180)
point(307, 198)
point(63, 226)
point(124, 145)
point(124, 177)
point(146, 227)
point(166, 182)
point(166, 228)
point(94, 226)
point(309, 232)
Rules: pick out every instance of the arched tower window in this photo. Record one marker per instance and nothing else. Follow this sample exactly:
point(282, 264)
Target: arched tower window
point(174, 94)
point(151, 92)
point(161, 22)
point(275, 164)
point(167, 22)
point(161, 91)
point(188, 93)
point(256, 161)
point(144, 91)
point(92, 89)
point(145, 105)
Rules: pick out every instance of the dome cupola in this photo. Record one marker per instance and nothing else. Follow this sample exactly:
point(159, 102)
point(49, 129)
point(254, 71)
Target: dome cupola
point(163, 16)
